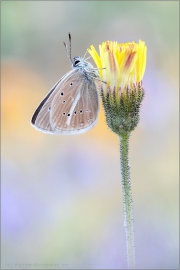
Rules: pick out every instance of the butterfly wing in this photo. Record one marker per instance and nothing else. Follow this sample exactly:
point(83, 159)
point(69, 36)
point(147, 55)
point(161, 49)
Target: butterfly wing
point(71, 106)
point(75, 111)
point(41, 117)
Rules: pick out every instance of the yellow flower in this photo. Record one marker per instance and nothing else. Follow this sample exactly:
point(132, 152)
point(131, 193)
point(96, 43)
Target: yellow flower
point(121, 69)
point(122, 66)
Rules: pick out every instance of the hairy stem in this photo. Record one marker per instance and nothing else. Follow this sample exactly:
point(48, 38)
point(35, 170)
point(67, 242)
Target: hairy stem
point(127, 200)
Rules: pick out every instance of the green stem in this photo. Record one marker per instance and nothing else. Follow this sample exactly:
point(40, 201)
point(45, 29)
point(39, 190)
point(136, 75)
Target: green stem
point(127, 200)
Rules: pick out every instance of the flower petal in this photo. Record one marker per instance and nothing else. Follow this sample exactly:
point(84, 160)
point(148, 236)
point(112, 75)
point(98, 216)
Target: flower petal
point(124, 63)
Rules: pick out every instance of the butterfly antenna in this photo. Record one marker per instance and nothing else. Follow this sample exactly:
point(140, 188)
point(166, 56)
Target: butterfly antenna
point(70, 47)
point(67, 52)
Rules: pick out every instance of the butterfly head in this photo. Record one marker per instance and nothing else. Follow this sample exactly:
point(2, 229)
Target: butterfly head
point(78, 62)
point(85, 67)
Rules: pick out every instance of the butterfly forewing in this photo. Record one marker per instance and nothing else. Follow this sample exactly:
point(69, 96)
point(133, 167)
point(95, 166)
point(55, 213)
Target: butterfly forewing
point(86, 111)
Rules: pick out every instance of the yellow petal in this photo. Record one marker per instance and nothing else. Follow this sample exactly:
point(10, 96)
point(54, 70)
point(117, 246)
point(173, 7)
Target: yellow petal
point(124, 63)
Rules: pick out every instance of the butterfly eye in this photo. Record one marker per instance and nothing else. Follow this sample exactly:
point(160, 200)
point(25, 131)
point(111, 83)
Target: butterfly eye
point(76, 63)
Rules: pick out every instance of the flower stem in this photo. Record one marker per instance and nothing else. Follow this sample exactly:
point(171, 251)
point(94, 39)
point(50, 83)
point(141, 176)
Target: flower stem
point(127, 200)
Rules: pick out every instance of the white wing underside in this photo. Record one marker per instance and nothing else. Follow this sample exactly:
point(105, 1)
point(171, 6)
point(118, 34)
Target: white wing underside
point(71, 107)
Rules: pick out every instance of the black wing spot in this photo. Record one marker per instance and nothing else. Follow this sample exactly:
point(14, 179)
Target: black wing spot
point(63, 101)
point(71, 84)
point(62, 93)
point(49, 108)
point(68, 114)
point(75, 112)
point(64, 113)
point(81, 111)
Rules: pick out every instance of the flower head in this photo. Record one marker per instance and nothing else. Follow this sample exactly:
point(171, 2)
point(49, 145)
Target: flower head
point(124, 64)
point(122, 67)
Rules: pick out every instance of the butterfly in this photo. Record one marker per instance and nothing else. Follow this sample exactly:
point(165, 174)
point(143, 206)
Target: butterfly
point(72, 105)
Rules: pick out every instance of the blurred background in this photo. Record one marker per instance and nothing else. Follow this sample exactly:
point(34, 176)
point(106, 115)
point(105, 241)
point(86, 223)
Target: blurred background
point(61, 195)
